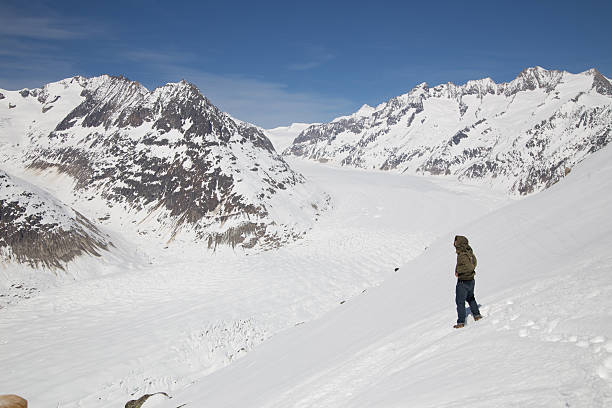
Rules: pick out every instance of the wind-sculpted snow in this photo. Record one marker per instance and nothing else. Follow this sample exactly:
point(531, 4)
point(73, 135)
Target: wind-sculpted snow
point(40, 231)
point(522, 136)
point(167, 155)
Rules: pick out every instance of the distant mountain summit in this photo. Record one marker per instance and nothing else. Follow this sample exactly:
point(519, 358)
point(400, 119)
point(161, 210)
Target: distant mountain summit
point(520, 136)
point(282, 136)
point(167, 158)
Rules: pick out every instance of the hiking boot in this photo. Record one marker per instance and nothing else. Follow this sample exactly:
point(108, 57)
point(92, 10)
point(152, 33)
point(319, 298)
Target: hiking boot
point(459, 325)
point(477, 318)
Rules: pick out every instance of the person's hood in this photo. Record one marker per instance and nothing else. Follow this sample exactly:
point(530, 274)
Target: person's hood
point(462, 244)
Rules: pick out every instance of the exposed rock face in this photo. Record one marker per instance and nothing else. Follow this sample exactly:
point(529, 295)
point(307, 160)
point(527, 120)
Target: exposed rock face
point(168, 155)
point(40, 231)
point(519, 136)
point(600, 83)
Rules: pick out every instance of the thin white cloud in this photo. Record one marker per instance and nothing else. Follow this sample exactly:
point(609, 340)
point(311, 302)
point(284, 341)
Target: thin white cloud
point(17, 24)
point(313, 63)
point(32, 44)
point(261, 102)
point(266, 104)
point(36, 27)
point(20, 48)
point(28, 68)
point(158, 57)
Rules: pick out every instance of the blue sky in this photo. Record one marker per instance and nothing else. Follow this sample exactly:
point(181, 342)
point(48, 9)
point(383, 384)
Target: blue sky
point(276, 62)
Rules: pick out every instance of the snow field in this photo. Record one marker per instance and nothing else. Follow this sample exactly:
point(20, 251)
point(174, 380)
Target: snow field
point(146, 327)
point(326, 321)
point(543, 281)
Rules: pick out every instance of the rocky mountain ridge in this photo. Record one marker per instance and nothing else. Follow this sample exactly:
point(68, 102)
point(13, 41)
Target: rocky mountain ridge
point(38, 230)
point(520, 136)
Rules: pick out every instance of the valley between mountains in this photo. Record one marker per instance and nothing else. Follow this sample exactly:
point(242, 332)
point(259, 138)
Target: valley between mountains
point(150, 242)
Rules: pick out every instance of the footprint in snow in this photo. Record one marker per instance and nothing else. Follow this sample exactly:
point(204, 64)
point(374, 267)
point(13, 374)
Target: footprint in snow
point(553, 338)
point(543, 328)
point(582, 343)
point(605, 369)
point(552, 325)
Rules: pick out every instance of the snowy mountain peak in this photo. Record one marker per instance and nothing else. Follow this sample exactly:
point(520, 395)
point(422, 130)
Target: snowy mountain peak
point(282, 136)
point(106, 97)
point(421, 87)
point(537, 71)
point(181, 88)
point(601, 84)
point(534, 78)
point(168, 156)
point(479, 87)
point(365, 110)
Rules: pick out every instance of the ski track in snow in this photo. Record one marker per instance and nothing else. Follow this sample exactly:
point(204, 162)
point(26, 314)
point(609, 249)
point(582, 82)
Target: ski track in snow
point(148, 328)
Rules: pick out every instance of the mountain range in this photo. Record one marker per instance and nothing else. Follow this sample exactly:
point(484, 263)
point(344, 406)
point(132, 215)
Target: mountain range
point(521, 136)
point(166, 162)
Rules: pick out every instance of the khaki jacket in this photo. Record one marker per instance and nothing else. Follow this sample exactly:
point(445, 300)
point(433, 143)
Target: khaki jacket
point(466, 260)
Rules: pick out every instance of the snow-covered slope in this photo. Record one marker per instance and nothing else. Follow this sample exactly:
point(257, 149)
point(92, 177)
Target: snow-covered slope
point(521, 136)
point(162, 326)
point(543, 281)
point(321, 321)
point(282, 136)
point(166, 162)
point(38, 230)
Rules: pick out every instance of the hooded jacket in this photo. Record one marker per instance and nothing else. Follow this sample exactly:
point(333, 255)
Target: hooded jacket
point(466, 260)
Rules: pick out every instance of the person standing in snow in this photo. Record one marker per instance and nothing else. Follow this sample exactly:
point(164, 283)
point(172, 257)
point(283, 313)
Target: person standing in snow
point(465, 271)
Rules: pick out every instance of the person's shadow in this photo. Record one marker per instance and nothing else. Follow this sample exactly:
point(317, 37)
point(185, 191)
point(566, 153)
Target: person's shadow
point(468, 311)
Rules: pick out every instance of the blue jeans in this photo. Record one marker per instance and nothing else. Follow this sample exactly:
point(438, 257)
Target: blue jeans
point(464, 292)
